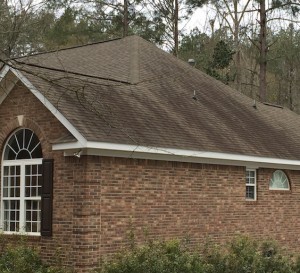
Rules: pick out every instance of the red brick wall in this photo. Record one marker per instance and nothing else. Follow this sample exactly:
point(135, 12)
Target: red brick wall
point(99, 200)
point(67, 172)
point(195, 201)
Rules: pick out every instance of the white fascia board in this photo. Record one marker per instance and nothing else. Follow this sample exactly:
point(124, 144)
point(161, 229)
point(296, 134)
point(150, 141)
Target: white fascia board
point(3, 73)
point(81, 140)
point(167, 154)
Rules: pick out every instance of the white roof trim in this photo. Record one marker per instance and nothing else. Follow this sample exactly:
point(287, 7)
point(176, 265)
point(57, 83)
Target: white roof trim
point(3, 73)
point(81, 140)
point(143, 152)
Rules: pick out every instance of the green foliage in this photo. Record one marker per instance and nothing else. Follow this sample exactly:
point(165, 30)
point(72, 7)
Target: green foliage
point(16, 256)
point(214, 259)
point(219, 66)
point(292, 7)
point(155, 257)
point(296, 266)
point(283, 66)
point(242, 255)
point(212, 55)
point(20, 259)
point(222, 55)
point(22, 28)
point(197, 3)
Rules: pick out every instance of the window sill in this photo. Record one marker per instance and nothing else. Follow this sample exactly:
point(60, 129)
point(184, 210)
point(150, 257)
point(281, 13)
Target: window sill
point(276, 191)
point(19, 236)
point(250, 202)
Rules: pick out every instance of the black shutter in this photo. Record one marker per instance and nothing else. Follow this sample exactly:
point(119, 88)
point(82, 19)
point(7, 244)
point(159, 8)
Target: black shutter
point(47, 197)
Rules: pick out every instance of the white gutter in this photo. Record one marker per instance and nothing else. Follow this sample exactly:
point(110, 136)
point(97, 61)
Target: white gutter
point(169, 154)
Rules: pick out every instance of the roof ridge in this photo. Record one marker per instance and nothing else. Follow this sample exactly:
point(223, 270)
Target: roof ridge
point(273, 105)
point(72, 72)
point(67, 48)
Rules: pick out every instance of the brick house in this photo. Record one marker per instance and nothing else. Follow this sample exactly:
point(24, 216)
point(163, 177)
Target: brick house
point(98, 139)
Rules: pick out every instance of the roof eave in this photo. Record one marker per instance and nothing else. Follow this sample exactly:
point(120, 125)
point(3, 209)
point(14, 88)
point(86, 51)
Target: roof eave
point(179, 155)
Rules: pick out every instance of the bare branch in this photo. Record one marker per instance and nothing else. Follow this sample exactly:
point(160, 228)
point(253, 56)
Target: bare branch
point(253, 42)
point(282, 6)
point(283, 19)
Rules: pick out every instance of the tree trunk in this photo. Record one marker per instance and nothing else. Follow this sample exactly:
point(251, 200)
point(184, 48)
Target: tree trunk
point(176, 33)
point(263, 52)
point(237, 47)
point(125, 19)
point(291, 103)
point(291, 72)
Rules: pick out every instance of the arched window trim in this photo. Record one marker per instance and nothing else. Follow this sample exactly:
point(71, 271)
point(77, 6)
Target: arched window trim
point(21, 188)
point(280, 188)
point(25, 145)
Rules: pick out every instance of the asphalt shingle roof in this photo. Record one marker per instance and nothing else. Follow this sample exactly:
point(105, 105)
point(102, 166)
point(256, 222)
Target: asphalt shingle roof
point(128, 91)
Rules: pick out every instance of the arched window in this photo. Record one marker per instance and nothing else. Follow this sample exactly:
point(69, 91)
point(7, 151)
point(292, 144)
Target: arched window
point(279, 181)
point(21, 183)
point(23, 144)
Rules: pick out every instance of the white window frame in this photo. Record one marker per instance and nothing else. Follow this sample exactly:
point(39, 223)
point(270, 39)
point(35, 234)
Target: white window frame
point(251, 185)
point(280, 189)
point(22, 220)
point(22, 163)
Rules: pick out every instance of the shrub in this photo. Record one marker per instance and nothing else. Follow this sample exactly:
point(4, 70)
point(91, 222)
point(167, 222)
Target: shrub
point(155, 257)
point(16, 256)
point(245, 255)
point(20, 259)
point(242, 255)
point(213, 259)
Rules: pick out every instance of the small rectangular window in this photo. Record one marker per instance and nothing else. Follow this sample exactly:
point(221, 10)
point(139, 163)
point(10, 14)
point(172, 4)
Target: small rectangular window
point(250, 184)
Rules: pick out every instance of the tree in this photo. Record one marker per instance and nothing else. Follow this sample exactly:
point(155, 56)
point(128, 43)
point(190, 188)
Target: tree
point(22, 27)
point(170, 13)
point(198, 46)
point(212, 55)
point(114, 18)
point(265, 17)
point(221, 60)
point(232, 12)
point(73, 27)
point(228, 9)
point(284, 64)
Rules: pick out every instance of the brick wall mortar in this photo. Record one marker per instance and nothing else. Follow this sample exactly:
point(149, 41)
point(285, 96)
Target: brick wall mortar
point(197, 201)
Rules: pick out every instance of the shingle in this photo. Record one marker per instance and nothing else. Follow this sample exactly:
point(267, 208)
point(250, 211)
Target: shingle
point(128, 91)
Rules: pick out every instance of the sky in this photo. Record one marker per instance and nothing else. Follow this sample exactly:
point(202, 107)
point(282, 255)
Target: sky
point(199, 19)
point(202, 16)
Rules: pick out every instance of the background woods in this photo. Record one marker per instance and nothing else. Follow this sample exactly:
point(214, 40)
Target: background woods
point(252, 45)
